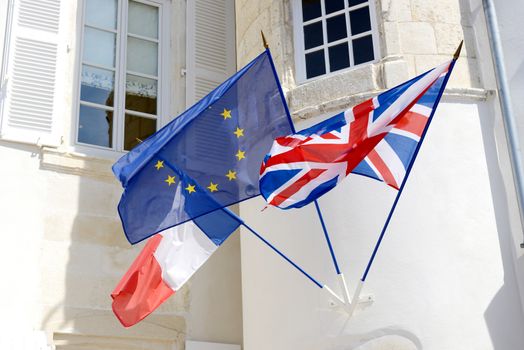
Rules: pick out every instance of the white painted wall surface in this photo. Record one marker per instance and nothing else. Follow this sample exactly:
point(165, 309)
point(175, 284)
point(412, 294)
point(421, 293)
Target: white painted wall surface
point(22, 230)
point(501, 177)
point(510, 14)
point(443, 279)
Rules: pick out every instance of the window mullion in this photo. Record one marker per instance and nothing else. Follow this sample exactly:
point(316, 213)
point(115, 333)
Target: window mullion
point(300, 57)
point(121, 81)
point(97, 105)
point(374, 28)
point(350, 39)
point(325, 36)
point(79, 74)
point(160, 88)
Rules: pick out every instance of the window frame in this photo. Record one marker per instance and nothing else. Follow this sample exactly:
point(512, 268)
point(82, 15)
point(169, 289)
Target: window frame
point(298, 38)
point(163, 77)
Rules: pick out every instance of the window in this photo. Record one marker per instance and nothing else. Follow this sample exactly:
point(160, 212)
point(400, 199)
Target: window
point(120, 100)
point(331, 35)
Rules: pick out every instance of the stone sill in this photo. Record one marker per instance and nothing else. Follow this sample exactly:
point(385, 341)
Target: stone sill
point(62, 161)
point(335, 105)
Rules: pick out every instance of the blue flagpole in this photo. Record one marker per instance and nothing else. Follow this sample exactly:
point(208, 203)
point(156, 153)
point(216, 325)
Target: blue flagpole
point(241, 222)
point(276, 250)
point(257, 235)
point(326, 234)
point(319, 212)
point(386, 224)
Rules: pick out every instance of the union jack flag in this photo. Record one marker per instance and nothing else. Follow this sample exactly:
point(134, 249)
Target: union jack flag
point(376, 138)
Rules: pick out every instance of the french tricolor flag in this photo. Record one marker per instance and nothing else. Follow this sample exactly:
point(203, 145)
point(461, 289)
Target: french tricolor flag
point(167, 261)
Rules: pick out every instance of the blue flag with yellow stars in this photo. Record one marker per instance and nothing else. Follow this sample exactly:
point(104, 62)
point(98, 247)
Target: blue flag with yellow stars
point(205, 159)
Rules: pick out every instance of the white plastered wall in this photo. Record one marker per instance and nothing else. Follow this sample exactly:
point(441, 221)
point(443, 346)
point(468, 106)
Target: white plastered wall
point(440, 279)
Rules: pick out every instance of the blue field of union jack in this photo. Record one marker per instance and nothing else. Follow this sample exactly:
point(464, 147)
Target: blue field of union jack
point(376, 138)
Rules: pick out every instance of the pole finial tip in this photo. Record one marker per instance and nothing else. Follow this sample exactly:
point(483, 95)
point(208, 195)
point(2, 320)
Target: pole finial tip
point(264, 42)
point(457, 53)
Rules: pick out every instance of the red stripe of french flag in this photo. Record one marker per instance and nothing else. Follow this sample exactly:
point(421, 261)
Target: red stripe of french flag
point(166, 262)
point(142, 288)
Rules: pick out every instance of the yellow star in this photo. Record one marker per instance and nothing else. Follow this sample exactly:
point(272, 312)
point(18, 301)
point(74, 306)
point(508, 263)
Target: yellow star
point(159, 164)
point(226, 114)
point(212, 187)
point(240, 155)
point(170, 180)
point(190, 188)
point(231, 175)
point(239, 132)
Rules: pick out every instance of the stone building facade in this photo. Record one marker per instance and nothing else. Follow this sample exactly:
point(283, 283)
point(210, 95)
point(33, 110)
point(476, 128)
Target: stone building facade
point(452, 250)
point(449, 274)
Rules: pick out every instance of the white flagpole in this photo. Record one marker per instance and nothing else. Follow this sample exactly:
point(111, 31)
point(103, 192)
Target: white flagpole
point(356, 298)
point(344, 287)
point(334, 295)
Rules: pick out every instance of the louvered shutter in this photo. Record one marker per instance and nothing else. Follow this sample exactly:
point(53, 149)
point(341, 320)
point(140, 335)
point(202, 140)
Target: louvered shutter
point(211, 56)
point(31, 106)
point(211, 59)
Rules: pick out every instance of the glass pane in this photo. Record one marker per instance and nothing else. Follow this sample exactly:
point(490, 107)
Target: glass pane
point(363, 49)
point(141, 94)
point(338, 57)
point(97, 85)
point(143, 20)
point(99, 47)
point(311, 9)
point(313, 35)
point(336, 28)
point(333, 5)
point(101, 13)
point(355, 2)
point(142, 56)
point(315, 64)
point(95, 126)
point(137, 128)
point(360, 21)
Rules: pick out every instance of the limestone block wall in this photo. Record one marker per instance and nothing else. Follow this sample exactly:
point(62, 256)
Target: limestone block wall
point(414, 36)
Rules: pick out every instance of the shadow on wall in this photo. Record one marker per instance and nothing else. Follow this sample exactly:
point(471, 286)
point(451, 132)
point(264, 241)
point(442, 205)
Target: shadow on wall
point(384, 338)
point(85, 254)
point(469, 44)
point(503, 316)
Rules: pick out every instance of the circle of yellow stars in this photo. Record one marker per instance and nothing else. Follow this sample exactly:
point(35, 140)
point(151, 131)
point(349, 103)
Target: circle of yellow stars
point(231, 174)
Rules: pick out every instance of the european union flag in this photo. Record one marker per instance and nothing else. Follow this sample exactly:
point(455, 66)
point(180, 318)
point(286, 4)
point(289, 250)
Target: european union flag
point(206, 159)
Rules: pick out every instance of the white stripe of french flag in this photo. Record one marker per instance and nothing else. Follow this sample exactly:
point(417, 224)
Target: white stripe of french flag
point(167, 261)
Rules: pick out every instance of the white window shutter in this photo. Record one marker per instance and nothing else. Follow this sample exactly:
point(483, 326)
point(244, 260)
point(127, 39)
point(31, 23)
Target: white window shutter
point(211, 56)
point(32, 103)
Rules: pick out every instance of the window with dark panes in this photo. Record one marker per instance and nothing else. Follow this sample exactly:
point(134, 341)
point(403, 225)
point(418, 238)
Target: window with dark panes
point(331, 35)
point(120, 73)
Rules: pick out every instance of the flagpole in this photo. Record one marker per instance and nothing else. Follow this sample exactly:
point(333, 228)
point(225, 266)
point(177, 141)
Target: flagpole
point(386, 224)
point(341, 278)
point(312, 279)
point(241, 222)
